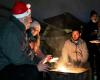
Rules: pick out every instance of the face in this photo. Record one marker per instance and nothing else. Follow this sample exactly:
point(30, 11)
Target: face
point(94, 17)
point(75, 35)
point(27, 21)
point(35, 31)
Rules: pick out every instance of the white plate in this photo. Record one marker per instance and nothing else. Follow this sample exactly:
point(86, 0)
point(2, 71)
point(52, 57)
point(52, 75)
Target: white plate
point(95, 41)
point(55, 59)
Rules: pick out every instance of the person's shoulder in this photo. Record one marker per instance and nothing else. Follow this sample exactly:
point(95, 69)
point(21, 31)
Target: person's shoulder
point(67, 41)
point(82, 41)
point(3, 22)
point(6, 25)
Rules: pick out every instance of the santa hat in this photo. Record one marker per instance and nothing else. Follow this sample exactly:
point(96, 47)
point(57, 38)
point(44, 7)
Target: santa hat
point(20, 10)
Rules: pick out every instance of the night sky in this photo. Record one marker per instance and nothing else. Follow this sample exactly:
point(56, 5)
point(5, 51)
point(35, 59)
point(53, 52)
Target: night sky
point(42, 9)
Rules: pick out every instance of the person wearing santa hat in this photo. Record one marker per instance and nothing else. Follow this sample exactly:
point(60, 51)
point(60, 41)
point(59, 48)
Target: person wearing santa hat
point(15, 62)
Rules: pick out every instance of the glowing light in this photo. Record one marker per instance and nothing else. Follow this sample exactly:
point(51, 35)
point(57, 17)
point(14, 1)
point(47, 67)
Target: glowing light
point(61, 67)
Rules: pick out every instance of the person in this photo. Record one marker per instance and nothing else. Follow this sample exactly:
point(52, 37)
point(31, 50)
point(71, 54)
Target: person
point(75, 56)
point(90, 33)
point(34, 38)
point(15, 62)
point(34, 42)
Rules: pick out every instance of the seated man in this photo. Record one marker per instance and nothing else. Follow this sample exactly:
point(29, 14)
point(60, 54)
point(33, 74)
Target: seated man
point(74, 56)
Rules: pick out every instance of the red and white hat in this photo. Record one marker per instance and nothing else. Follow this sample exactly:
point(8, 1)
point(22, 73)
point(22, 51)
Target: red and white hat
point(20, 10)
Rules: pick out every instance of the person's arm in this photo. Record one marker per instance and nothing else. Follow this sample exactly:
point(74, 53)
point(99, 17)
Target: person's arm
point(84, 53)
point(12, 49)
point(65, 53)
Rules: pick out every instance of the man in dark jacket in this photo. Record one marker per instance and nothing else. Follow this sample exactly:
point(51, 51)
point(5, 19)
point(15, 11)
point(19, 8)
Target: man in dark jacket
point(15, 62)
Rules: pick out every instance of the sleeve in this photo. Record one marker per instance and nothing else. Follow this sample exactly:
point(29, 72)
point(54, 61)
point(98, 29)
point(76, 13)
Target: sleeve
point(65, 53)
point(84, 52)
point(12, 51)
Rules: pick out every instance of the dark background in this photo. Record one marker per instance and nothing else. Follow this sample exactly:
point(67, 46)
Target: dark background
point(42, 9)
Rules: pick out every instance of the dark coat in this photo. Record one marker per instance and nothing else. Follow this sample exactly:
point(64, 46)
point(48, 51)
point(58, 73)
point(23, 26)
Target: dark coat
point(13, 48)
point(89, 31)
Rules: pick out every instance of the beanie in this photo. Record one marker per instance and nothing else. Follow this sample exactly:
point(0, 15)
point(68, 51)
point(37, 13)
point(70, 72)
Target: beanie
point(35, 24)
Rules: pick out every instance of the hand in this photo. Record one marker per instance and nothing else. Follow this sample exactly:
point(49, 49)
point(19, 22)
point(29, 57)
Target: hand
point(42, 67)
point(47, 58)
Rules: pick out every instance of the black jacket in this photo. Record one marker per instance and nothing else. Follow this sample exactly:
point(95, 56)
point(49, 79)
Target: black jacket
point(12, 42)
